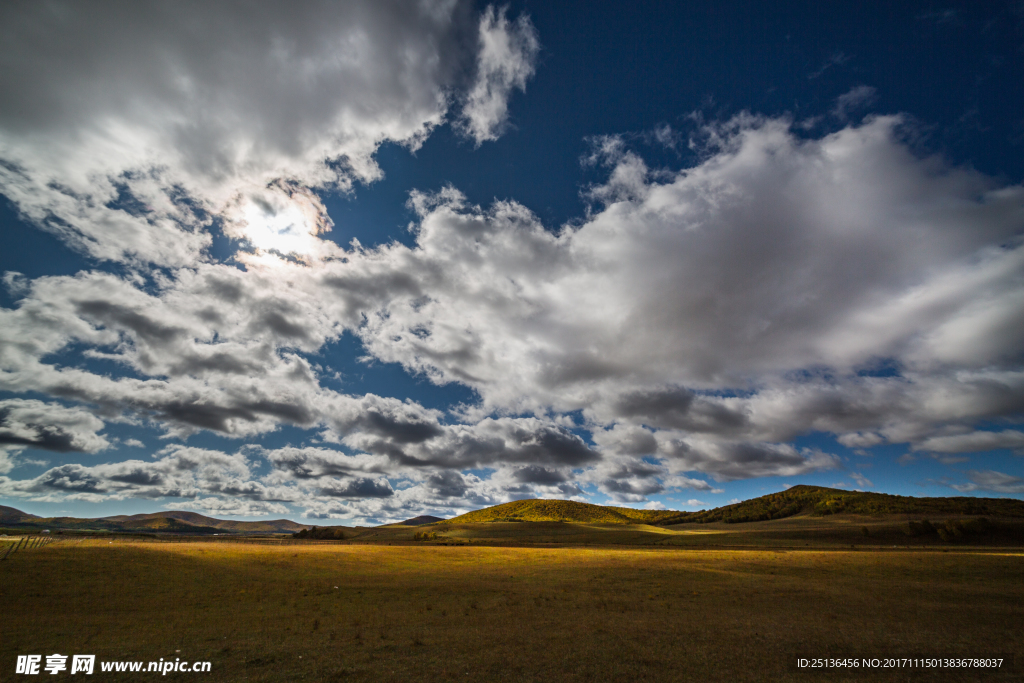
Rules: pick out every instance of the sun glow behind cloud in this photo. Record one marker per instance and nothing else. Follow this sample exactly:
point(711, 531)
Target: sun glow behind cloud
point(286, 223)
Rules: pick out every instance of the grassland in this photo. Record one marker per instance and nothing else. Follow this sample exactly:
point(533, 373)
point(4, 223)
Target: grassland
point(362, 611)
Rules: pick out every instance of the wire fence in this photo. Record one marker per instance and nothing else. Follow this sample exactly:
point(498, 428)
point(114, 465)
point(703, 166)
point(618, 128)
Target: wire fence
point(33, 542)
point(25, 543)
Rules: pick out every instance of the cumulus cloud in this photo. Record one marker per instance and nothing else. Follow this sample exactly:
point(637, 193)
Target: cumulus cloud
point(49, 426)
point(781, 254)
point(794, 265)
point(698, 320)
point(231, 507)
point(179, 471)
point(136, 125)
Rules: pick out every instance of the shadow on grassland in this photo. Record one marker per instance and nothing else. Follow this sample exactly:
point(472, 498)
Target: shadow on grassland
point(418, 612)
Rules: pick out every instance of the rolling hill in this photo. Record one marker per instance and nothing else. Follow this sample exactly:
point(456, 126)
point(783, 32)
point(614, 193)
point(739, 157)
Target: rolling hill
point(822, 501)
point(174, 521)
point(561, 511)
point(816, 501)
point(421, 520)
point(8, 514)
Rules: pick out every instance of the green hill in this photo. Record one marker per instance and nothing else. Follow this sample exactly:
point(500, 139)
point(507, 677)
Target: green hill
point(821, 501)
point(560, 511)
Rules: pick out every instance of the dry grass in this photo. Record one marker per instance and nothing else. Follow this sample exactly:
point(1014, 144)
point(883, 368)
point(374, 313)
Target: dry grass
point(426, 613)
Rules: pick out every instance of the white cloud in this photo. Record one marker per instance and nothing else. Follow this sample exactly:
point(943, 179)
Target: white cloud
point(861, 480)
point(49, 426)
point(781, 254)
point(855, 98)
point(133, 126)
point(990, 480)
point(231, 507)
point(178, 471)
point(699, 320)
point(508, 53)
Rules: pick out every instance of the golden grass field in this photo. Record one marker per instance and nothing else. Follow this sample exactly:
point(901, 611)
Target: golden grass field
point(424, 612)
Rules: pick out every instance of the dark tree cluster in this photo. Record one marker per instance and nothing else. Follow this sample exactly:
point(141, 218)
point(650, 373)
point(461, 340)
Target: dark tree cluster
point(324, 533)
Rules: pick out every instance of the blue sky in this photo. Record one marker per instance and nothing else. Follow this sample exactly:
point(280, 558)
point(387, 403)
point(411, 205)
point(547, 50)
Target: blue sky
point(359, 263)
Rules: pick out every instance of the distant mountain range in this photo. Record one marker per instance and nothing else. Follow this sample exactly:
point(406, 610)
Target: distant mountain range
point(174, 521)
point(798, 500)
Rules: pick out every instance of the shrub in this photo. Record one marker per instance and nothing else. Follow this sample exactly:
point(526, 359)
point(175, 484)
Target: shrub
point(959, 529)
point(923, 528)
